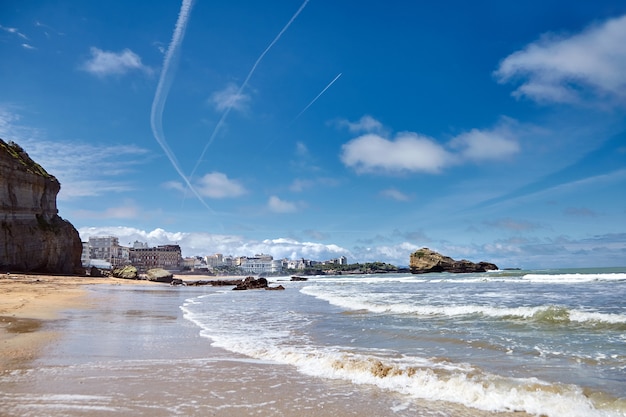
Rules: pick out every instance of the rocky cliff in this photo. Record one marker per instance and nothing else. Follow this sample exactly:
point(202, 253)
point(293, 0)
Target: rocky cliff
point(426, 260)
point(33, 238)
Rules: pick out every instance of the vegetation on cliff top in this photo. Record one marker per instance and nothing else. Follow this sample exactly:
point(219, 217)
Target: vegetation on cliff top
point(16, 152)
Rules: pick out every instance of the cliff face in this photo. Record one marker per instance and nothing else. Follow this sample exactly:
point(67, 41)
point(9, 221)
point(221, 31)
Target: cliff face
point(426, 260)
point(32, 235)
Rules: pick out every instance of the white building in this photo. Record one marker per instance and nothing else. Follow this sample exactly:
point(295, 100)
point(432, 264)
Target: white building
point(260, 264)
point(108, 249)
point(214, 260)
point(298, 264)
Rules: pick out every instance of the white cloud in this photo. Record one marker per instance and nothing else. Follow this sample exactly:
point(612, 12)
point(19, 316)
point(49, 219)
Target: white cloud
point(395, 194)
point(14, 31)
point(366, 124)
point(277, 205)
point(200, 244)
point(479, 145)
point(564, 69)
point(397, 254)
point(218, 185)
point(103, 63)
point(174, 185)
point(83, 169)
point(86, 170)
point(412, 152)
point(230, 98)
point(408, 152)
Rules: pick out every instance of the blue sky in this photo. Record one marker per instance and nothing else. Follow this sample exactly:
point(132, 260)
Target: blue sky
point(485, 130)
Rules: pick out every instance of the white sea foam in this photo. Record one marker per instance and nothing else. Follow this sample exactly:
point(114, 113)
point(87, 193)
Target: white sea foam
point(378, 303)
point(573, 278)
point(412, 376)
point(415, 334)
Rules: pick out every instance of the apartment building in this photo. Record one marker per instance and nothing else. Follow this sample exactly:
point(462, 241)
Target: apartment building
point(164, 256)
point(107, 249)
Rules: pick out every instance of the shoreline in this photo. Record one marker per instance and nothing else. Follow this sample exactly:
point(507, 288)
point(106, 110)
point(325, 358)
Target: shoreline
point(29, 301)
point(133, 334)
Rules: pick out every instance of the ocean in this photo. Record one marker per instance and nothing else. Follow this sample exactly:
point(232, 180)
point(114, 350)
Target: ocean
point(544, 342)
point(503, 343)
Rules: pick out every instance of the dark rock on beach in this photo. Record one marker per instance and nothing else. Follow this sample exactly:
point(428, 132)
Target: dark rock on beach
point(127, 272)
point(425, 260)
point(159, 275)
point(251, 283)
point(277, 288)
point(225, 282)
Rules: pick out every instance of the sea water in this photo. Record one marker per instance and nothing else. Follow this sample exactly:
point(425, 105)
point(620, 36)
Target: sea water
point(550, 343)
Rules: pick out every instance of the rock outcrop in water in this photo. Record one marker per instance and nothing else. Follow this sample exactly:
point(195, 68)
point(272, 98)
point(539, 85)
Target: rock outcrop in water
point(33, 238)
point(425, 260)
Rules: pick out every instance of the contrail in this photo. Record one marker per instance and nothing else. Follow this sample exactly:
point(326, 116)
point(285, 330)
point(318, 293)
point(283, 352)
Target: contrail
point(165, 82)
point(316, 97)
point(267, 145)
point(245, 83)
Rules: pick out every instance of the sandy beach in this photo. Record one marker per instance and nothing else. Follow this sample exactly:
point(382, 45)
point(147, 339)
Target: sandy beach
point(28, 301)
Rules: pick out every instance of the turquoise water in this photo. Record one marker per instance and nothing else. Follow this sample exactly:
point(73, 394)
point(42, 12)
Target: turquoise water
point(550, 342)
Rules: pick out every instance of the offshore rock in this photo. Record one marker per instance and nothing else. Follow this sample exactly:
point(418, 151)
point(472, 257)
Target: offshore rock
point(250, 283)
point(33, 238)
point(425, 260)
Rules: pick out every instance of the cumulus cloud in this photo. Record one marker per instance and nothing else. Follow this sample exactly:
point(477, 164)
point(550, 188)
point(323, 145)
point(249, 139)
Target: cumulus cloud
point(366, 124)
point(397, 254)
point(277, 205)
point(413, 152)
point(200, 243)
point(407, 152)
point(479, 145)
point(563, 69)
point(230, 98)
point(104, 63)
point(218, 185)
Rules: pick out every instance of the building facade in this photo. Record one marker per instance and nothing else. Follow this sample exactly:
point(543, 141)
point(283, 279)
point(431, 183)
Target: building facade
point(164, 256)
point(105, 248)
point(260, 264)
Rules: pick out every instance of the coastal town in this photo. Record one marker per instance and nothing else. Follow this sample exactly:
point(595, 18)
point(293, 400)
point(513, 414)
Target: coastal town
point(105, 252)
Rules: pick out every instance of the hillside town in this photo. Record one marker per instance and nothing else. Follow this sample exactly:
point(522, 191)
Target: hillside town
point(105, 252)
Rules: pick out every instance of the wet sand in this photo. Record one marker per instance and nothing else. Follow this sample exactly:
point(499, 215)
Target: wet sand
point(26, 303)
point(125, 348)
